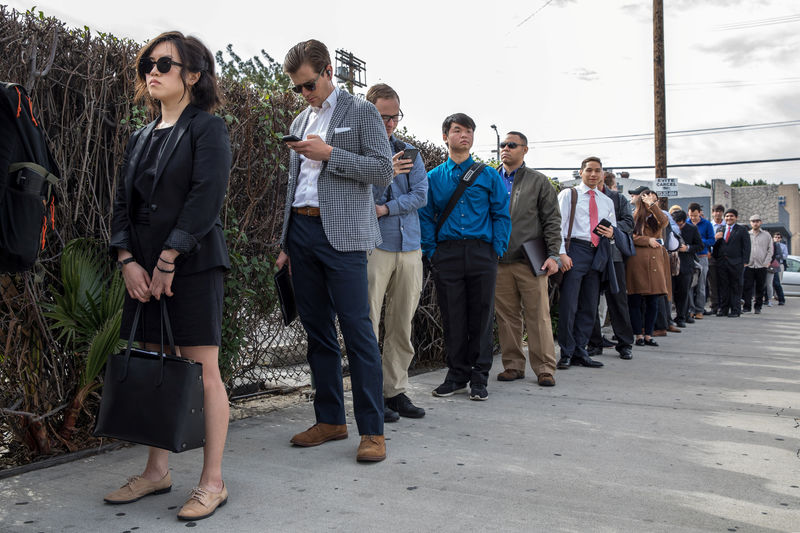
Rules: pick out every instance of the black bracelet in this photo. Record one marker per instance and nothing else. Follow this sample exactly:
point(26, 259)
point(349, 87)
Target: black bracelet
point(165, 271)
point(165, 261)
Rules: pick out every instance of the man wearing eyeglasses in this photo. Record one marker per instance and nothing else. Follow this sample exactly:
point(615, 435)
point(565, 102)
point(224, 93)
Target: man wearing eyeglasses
point(394, 268)
point(463, 252)
point(329, 224)
point(535, 215)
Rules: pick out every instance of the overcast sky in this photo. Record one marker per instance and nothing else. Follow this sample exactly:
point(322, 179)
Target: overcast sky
point(555, 70)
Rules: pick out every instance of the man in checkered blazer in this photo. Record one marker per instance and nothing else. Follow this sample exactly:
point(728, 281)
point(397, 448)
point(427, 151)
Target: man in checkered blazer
point(329, 225)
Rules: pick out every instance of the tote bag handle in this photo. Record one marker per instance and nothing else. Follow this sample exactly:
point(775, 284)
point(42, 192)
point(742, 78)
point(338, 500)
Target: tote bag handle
point(164, 322)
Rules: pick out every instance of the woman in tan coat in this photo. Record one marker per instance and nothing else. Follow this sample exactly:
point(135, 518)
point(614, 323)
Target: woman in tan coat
point(647, 272)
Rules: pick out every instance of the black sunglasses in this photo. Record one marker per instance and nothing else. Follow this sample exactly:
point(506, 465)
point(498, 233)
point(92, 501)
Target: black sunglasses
point(309, 86)
point(163, 64)
point(511, 145)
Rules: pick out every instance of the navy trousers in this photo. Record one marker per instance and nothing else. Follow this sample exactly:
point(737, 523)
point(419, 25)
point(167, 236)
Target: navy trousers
point(618, 309)
point(577, 301)
point(329, 283)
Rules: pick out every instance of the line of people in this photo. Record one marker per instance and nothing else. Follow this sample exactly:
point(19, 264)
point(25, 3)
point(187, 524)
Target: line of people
point(361, 216)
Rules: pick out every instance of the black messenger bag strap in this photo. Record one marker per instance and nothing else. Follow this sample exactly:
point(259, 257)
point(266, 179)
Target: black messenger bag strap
point(573, 201)
point(466, 180)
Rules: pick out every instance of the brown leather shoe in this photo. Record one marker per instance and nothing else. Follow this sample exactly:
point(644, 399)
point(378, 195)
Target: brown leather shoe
point(137, 488)
point(203, 503)
point(660, 333)
point(546, 380)
point(698, 316)
point(510, 374)
point(320, 433)
point(673, 329)
point(372, 449)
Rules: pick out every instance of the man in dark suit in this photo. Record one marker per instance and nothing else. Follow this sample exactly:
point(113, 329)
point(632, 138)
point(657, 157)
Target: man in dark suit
point(687, 254)
point(731, 251)
point(617, 302)
point(329, 224)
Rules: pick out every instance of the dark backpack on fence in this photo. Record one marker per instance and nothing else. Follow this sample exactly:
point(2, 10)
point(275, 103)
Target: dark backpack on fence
point(28, 175)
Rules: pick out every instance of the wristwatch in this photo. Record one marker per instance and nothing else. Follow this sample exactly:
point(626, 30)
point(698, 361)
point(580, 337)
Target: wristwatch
point(125, 261)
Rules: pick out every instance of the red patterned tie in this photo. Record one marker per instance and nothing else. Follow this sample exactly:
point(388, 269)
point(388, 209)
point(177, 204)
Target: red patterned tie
point(728, 234)
point(593, 217)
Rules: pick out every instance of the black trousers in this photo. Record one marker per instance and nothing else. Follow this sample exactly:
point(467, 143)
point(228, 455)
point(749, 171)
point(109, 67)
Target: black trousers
point(618, 309)
point(465, 273)
point(681, 291)
point(729, 286)
point(754, 277)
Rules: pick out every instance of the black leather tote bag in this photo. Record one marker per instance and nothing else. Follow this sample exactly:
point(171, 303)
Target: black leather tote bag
point(153, 398)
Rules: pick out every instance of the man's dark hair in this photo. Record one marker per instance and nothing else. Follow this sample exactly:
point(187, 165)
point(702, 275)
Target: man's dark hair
point(609, 179)
point(679, 215)
point(312, 52)
point(589, 159)
point(381, 90)
point(734, 211)
point(457, 118)
point(718, 207)
point(520, 135)
point(694, 206)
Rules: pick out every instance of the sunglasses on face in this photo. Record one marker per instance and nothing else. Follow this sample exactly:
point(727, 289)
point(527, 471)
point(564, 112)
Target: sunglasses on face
point(511, 145)
point(309, 86)
point(163, 64)
point(388, 118)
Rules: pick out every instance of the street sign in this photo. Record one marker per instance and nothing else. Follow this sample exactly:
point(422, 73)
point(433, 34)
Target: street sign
point(666, 187)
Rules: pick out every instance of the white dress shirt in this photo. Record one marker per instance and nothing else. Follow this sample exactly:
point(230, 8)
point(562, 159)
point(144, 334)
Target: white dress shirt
point(318, 122)
point(581, 228)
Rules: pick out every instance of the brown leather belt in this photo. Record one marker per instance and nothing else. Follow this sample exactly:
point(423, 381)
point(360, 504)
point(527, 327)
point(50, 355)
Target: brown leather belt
point(307, 211)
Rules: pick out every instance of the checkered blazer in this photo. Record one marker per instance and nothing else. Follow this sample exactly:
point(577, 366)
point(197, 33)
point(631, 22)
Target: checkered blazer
point(361, 158)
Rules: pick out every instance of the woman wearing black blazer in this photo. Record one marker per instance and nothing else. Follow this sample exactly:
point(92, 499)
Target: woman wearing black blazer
point(168, 241)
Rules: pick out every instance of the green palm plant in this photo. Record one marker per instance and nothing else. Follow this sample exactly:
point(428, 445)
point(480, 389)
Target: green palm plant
point(87, 315)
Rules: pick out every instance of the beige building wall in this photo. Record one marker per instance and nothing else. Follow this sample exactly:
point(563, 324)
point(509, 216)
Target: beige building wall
point(792, 195)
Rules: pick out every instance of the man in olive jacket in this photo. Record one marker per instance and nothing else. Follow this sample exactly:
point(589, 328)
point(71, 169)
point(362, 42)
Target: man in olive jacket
point(533, 206)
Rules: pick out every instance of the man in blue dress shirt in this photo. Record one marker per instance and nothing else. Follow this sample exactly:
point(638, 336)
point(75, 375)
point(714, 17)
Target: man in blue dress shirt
point(394, 268)
point(697, 300)
point(464, 258)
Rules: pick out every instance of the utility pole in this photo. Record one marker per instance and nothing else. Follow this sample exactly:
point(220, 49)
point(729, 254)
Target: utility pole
point(497, 152)
point(659, 95)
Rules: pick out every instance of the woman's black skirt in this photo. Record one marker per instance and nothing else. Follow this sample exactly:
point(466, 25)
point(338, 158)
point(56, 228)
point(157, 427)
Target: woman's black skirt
point(195, 312)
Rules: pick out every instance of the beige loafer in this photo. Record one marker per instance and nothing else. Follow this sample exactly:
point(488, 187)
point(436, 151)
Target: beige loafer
point(203, 503)
point(137, 488)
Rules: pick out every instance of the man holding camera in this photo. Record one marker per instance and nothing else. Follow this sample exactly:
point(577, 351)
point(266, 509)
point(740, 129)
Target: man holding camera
point(394, 268)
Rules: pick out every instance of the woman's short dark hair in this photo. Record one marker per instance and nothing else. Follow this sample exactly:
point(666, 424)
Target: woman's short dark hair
point(457, 118)
point(312, 52)
point(591, 158)
point(195, 57)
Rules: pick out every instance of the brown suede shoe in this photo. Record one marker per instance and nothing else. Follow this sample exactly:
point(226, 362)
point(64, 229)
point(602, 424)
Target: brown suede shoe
point(137, 488)
point(673, 329)
point(660, 333)
point(698, 316)
point(546, 380)
point(203, 503)
point(372, 449)
point(320, 433)
point(510, 374)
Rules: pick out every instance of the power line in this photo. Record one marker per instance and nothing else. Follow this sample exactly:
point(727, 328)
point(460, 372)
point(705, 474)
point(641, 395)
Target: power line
point(758, 23)
point(534, 13)
point(686, 165)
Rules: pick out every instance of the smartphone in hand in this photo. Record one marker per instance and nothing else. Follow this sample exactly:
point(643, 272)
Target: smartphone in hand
point(605, 223)
point(290, 138)
point(410, 154)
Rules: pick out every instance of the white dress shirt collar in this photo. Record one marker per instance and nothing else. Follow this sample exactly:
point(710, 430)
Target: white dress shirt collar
point(329, 102)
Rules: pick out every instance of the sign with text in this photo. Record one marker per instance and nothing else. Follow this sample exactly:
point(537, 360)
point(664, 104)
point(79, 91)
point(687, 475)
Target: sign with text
point(666, 187)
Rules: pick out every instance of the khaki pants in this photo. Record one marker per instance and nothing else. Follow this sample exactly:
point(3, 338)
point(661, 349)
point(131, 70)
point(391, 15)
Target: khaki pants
point(398, 276)
point(518, 291)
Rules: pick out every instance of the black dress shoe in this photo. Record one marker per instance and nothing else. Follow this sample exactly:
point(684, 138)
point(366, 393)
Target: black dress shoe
point(607, 343)
point(402, 404)
point(757, 311)
point(594, 350)
point(722, 313)
point(650, 342)
point(639, 342)
point(564, 363)
point(734, 315)
point(745, 309)
point(625, 353)
point(389, 414)
point(585, 360)
point(689, 320)
point(680, 324)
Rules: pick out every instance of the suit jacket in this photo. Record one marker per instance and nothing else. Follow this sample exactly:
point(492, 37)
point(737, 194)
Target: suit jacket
point(624, 214)
point(692, 239)
point(188, 191)
point(737, 250)
point(361, 158)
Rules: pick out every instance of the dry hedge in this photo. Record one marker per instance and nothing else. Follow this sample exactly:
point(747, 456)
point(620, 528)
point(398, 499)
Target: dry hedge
point(81, 83)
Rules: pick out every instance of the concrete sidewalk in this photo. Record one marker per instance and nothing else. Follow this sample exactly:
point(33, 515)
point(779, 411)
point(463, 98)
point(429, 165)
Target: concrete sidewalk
point(700, 434)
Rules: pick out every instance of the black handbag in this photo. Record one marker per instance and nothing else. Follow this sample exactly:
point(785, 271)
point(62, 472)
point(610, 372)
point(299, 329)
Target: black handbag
point(153, 398)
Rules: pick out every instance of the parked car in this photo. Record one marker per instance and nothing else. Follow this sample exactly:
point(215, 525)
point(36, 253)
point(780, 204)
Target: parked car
point(791, 276)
